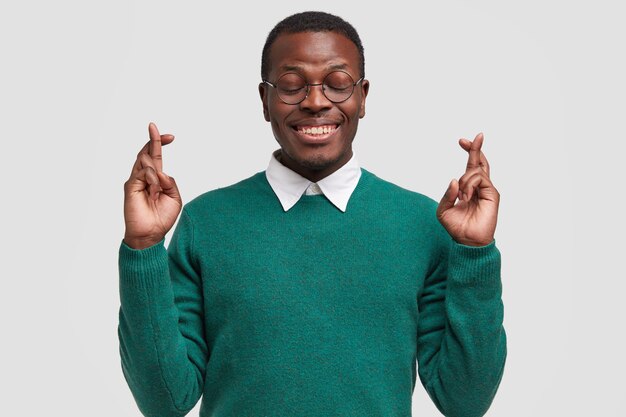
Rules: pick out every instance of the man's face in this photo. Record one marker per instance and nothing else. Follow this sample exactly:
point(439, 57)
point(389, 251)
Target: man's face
point(313, 55)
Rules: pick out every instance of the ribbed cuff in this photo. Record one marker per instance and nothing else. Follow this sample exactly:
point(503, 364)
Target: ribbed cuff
point(143, 268)
point(474, 264)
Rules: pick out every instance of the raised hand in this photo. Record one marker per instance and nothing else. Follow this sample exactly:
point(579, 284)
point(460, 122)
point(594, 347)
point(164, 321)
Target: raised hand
point(472, 219)
point(152, 202)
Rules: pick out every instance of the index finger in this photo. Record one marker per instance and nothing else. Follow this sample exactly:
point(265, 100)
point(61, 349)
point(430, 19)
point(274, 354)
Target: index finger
point(466, 145)
point(154, 149)
point(473, 160)
point(166, 138)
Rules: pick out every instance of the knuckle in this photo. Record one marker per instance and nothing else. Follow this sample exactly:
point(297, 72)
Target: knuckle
point(479, 175)
point(146, 161)
point(131, 183)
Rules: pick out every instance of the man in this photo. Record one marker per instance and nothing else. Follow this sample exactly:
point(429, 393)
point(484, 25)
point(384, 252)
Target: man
point(310, 289)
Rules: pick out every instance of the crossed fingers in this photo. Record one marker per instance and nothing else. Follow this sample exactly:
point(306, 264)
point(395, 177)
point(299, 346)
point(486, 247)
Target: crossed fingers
point(476, 157)
point(151, 155)
point(150, 160)
point(476, 176)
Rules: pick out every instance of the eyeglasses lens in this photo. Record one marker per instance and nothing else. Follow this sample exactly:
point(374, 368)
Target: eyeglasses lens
point(337, 87)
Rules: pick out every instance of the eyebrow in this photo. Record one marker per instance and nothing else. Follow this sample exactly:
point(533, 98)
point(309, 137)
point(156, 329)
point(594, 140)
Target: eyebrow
point(299, 68)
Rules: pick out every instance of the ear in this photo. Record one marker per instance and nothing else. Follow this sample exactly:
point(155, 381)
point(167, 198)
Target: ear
point(263, 93)
point(365, 87)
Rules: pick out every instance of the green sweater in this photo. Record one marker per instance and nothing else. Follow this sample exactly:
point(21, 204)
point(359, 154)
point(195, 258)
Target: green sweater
point(310, 312)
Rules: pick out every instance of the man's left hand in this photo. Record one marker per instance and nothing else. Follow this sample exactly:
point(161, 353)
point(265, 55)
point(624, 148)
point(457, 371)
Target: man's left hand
point(472, 219)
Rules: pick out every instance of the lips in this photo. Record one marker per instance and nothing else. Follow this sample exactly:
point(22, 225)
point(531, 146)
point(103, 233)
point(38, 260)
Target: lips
point(315, 130)
point(316, 135)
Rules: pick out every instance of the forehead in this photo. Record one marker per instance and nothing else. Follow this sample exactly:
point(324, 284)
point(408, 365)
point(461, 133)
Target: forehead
point(312, 52)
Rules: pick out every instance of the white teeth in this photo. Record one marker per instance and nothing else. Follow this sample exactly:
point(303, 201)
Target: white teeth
point(319, 130)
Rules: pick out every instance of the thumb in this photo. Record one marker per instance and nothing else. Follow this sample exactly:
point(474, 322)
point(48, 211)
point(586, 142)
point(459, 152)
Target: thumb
point(168, 184)
point(448, 199)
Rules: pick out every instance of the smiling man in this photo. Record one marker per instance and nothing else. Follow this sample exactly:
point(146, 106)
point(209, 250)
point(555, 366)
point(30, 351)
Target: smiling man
point(313, 288)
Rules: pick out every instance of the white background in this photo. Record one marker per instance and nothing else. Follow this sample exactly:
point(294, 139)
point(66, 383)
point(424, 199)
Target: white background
point(544, 80)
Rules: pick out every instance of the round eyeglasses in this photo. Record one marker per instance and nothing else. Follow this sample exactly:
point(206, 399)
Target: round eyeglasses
point(292, 88)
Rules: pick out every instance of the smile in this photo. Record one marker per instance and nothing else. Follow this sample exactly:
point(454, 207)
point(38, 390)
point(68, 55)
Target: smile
point(318, 133)
point(317, 130)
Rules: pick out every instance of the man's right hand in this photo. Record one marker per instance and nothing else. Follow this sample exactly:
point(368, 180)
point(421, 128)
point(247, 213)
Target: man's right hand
point(152, 202)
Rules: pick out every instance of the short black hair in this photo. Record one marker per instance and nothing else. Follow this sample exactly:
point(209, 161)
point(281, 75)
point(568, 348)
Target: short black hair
point(311, 22)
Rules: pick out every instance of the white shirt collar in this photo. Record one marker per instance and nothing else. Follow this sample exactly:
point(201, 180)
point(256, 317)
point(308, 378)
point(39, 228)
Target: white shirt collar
point(289, 185)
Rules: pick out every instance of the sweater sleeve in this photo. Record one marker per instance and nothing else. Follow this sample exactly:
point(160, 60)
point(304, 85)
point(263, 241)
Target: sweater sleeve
point(461, 341)
point(161, 328)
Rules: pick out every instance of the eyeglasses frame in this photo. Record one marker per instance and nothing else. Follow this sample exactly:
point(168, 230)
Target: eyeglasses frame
point(308, 87)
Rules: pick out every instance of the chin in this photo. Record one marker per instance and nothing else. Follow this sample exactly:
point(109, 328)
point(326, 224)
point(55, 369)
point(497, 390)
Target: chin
point(316, 164)
point(318, 161)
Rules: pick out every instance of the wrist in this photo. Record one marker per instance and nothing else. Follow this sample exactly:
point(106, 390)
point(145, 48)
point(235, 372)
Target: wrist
point(140, 243)
point(474, 243)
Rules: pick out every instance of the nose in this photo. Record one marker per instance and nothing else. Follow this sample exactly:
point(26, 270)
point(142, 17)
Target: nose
point(316, 101)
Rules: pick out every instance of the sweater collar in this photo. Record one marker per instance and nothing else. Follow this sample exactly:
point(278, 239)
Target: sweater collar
point(289, 186)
